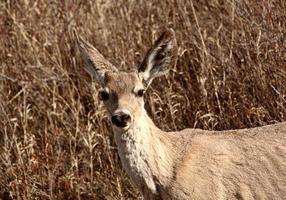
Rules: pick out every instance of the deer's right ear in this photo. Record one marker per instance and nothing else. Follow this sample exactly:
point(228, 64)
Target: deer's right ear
point(95, 64)
point(159, 58)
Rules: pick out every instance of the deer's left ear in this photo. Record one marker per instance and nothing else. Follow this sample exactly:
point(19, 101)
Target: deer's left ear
point(95, 64)
point(159, 58)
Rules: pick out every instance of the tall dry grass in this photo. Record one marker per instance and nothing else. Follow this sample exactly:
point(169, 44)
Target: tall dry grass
point(55, 141)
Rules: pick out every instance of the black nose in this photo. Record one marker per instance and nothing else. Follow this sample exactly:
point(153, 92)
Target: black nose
point(120, 120)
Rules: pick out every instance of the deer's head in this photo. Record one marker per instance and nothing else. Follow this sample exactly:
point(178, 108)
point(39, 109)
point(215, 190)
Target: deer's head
point(122, 92)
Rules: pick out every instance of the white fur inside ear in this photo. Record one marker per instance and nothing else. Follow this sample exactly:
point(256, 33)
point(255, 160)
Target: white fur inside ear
point(151, 60)
point(156, 66)
point(145, 76)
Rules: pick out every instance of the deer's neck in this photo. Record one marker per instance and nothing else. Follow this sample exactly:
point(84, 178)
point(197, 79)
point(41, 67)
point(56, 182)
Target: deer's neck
point(144, 155)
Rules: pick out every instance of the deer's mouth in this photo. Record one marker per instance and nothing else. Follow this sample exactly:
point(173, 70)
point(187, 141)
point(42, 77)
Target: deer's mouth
point(120, 128)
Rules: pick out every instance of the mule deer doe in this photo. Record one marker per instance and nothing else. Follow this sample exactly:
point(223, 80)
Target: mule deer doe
point(192, 163)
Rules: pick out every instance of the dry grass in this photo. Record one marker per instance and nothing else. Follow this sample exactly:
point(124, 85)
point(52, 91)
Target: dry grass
point(54, 136)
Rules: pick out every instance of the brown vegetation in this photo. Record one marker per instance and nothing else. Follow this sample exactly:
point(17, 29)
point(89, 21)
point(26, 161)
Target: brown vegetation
point(54, 137)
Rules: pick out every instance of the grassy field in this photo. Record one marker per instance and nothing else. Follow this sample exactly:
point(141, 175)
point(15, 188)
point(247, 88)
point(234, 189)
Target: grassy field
point(55, 140)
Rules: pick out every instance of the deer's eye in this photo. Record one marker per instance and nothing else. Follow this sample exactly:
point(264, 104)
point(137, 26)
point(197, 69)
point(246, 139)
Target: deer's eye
point(140, 93)
point(103, 95)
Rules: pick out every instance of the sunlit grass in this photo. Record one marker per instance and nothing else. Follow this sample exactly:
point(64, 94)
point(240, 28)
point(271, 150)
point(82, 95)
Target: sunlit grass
point(55, 138)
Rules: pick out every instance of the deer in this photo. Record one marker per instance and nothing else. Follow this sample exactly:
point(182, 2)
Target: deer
point(191, 163)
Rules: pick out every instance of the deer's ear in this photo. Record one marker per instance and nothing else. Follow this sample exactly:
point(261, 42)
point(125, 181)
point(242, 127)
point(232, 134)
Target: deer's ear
point(95, 64)
point(159, 58)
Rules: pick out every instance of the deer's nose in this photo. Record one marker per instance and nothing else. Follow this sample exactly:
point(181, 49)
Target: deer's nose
point(121, 119)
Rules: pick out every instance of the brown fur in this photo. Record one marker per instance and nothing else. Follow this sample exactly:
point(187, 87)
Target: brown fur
point(192, 163)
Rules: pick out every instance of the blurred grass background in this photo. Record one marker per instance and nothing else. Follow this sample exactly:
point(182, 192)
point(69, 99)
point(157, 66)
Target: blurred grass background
point(54, 137)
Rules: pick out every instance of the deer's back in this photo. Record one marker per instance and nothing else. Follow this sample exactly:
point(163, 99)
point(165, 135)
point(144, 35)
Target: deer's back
point(235, 164)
